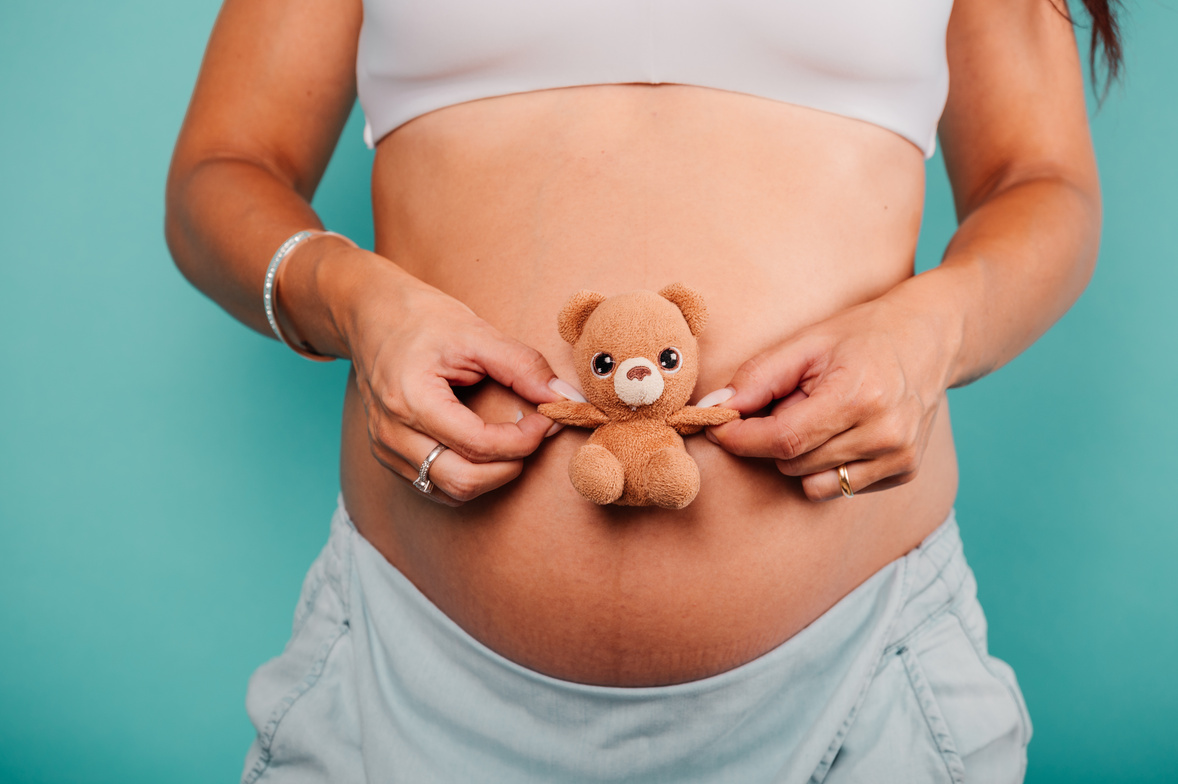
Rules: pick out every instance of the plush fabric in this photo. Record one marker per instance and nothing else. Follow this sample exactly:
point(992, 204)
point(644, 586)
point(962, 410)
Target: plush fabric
point(624, 348)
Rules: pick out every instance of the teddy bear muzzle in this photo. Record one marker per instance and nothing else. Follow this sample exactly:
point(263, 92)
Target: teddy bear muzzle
point(637, 382)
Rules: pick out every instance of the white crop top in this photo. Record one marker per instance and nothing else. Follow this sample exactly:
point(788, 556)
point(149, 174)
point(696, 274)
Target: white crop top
point(882, 62)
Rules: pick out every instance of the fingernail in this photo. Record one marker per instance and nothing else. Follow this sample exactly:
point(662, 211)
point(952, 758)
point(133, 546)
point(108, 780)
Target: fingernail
point(708, 435)
point(556, 428)
point(519, 415)
point(566, 390)
point(715, 398)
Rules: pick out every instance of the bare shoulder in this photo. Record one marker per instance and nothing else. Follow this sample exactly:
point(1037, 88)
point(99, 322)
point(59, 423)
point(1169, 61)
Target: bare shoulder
point(1016, 106)
point(275, 87)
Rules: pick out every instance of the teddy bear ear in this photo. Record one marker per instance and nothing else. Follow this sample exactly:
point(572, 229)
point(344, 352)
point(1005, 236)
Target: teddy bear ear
point(576, 312)
point(690, 302)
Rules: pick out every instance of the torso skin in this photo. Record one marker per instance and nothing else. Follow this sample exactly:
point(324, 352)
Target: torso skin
point(781, 216)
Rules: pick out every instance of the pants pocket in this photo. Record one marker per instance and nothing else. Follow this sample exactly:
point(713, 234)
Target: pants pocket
point(301, 702)
point(934, 716)
point(898, 734)
point(976, 696)
point(938, 711)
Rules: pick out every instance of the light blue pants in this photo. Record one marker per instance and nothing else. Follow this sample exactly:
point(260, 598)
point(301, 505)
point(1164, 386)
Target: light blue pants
point(892, 684)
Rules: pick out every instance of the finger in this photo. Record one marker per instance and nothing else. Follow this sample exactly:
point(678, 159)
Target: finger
point(866, 477)
point(791, 431)
point(439, 414)
point(857, 443)
point(555, 428)
point(402, 469)
point(770, 375)
point(460, 479)
point(793, 398)
point(518, 366)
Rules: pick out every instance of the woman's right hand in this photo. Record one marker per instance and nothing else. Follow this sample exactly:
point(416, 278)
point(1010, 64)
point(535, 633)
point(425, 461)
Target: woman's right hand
point(409, 343)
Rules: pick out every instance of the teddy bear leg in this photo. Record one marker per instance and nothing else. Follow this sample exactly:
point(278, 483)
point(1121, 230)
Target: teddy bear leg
point(671, 478)
point(597, 474)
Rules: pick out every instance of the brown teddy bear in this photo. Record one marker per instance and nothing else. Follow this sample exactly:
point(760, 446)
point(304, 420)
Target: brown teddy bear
point(637, 357)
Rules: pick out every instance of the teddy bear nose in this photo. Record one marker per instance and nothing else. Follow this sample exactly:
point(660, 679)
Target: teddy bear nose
point(637, 382)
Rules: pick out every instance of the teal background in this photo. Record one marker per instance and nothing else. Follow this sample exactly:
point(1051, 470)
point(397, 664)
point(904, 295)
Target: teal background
point(166, 476)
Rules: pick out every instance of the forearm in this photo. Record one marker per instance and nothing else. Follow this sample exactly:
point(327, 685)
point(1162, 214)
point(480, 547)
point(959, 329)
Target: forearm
point(225, 219)
point(1016, 264)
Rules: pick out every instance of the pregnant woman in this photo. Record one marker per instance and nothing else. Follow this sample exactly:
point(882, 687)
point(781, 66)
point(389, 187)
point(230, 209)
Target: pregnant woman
point(810, 616)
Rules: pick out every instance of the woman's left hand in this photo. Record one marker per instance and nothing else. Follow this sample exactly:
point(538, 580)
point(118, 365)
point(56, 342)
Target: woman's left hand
point(862, 388)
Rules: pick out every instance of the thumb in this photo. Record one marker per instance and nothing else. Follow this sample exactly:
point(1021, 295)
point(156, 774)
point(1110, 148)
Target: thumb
point(771, 375)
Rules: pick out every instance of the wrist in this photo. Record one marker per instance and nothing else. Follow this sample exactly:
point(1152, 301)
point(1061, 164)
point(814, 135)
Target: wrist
point(307, 291)
point(358, 286)
point(933, 303)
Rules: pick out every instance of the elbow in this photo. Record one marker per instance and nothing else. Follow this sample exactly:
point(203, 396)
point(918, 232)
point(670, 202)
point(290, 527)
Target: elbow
point(173, 223)
point(177, 234)
point(1092, 217)
point(1076, 212)
point(173, 236)
point(1077, 218)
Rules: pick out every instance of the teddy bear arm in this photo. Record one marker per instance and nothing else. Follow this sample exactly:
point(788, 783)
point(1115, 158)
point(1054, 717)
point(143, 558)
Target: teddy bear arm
point(692, 419)
point(569, 412)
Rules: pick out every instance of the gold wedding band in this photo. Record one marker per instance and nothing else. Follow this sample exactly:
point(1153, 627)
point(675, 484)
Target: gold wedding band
point(845, 482)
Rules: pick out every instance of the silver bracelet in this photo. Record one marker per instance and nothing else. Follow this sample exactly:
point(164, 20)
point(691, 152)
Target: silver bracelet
point(269, 289)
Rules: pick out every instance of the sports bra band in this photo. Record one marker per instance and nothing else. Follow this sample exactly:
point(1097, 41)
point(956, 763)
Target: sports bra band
point(883, 63)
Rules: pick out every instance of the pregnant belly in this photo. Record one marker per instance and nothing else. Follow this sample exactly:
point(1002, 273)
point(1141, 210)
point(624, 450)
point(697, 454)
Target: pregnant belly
point(780, 216)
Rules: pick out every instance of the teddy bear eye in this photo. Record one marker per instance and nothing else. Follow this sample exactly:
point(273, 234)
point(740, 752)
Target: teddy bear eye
point(669, 360)
point(603, 364)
